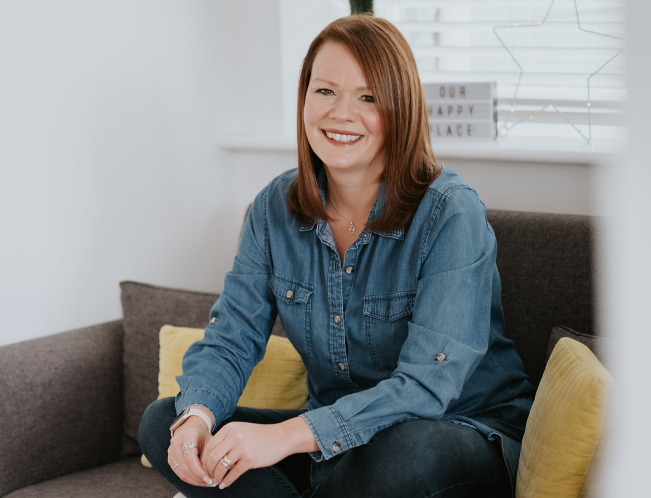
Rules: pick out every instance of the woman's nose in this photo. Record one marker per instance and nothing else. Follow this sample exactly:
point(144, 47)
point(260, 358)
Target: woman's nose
point(343, 109)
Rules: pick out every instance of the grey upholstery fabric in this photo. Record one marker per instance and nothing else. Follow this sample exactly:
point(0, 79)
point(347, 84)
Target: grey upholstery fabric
point(123, 479)
point(596, 344)
point(61, 404)
point(546, 265)
point(146, 309)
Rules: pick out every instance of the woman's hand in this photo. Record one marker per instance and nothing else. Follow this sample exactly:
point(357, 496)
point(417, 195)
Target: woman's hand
point(252, 446)
point(188, 465)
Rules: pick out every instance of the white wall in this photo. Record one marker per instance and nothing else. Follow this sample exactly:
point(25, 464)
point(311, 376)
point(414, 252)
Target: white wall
point(109, 119)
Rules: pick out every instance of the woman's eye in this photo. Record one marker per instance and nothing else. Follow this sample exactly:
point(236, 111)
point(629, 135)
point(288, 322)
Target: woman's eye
point(368, 98)
point(324, 91)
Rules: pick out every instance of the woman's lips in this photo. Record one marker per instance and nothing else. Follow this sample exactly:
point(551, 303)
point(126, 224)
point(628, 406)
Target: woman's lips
point(348, 137)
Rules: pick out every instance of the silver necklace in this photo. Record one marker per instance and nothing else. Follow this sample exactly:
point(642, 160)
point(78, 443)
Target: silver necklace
point(351, 228)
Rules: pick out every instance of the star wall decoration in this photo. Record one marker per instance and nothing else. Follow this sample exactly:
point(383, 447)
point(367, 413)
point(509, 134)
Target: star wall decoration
point(505, 127)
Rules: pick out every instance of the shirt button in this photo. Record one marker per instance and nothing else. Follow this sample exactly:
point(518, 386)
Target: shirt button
point(349, 270)
point(336, 447)
point(342, 366)
point(440, 357)
point(213, 320)
point(289, 294)
point(337, 319)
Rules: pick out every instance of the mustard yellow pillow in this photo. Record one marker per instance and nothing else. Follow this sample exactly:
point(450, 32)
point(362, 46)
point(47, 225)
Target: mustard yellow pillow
point(279, 381)
point(566, 424)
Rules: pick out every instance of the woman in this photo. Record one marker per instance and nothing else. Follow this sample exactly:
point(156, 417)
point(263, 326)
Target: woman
point(381, 265)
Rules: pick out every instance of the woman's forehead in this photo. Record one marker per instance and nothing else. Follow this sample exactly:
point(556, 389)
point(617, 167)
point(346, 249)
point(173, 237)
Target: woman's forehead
point(335, 64)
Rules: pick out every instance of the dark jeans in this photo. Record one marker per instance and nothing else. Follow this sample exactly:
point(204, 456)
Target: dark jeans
point(416, 459)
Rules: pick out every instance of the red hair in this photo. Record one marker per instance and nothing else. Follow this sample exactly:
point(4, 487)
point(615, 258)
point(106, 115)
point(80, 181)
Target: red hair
point(389, 67)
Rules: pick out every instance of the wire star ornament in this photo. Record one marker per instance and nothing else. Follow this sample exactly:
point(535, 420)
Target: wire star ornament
point(505, 126)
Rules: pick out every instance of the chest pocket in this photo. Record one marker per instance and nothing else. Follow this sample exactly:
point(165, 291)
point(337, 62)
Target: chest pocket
point(294, 301)
point(386, 317)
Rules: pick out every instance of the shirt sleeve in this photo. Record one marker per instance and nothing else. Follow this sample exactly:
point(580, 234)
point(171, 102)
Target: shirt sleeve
point(217, 368)
point(448, 334)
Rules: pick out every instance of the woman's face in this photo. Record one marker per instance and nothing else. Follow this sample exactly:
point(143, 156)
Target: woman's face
point(342, 121)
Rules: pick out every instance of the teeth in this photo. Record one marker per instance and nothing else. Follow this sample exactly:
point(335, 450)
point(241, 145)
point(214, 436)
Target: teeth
point(342, 138)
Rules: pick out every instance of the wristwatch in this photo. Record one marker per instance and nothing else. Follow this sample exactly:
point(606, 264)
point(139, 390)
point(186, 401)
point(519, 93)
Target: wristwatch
point(188, 412)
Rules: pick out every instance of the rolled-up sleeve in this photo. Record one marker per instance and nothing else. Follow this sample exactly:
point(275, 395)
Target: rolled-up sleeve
point(448, 334)
point(217, 368)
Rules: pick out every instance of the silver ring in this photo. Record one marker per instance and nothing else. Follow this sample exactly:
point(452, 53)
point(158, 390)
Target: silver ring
point(226, 463)
point(187, 446)
point(176, 465)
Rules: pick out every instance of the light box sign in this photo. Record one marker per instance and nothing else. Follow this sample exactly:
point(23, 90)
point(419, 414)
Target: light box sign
point(462, 110)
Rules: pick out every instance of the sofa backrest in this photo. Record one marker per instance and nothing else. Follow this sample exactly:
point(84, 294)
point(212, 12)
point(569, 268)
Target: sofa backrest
point(546, 267)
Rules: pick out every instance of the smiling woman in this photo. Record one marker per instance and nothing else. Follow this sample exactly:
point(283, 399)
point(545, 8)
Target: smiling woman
point(381, 266)
point(359, 77)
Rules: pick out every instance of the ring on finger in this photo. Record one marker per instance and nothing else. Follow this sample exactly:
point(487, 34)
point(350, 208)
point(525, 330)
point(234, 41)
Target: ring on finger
point(226, 463)
point(187, 446)
point(176, 465)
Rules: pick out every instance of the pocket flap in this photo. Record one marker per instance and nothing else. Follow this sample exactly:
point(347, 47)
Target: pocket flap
point(289, 290)
point(389, 307)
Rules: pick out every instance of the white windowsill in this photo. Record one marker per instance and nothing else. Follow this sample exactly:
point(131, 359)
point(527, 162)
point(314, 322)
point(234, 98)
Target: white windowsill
point(515, 149)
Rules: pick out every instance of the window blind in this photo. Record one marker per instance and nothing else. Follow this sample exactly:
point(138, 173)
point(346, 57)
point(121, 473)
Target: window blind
point(536, 51)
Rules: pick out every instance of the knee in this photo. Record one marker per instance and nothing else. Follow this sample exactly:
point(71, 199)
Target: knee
point(153, 434)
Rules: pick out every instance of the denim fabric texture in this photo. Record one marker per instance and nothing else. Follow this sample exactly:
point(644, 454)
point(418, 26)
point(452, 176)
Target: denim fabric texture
point(409, 328)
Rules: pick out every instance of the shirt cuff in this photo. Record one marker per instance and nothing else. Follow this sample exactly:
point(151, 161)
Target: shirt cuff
point(206, 399)
point(329, 430)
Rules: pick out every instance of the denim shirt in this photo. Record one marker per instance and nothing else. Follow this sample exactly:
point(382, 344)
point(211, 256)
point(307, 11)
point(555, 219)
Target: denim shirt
point(410, 327)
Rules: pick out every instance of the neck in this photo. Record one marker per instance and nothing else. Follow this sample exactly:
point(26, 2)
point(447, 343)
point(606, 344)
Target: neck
point(354, 193)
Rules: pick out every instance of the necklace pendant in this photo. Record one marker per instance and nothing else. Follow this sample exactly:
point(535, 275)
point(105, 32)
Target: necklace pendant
point(351, 228)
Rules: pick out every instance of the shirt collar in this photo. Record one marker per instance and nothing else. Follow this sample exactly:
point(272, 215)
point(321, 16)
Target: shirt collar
point(376, 211)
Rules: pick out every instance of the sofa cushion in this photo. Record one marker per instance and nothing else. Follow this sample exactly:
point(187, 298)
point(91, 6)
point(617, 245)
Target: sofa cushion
point(566, 424)
point(594, 343)
point(146, 309)
point(278, 382)
point(546, 266)
point(122, 479)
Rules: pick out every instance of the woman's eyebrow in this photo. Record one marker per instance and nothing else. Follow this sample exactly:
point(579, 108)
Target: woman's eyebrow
point(332, 83)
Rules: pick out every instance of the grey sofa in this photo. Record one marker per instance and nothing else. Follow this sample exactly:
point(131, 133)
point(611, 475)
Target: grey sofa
point(71, 403)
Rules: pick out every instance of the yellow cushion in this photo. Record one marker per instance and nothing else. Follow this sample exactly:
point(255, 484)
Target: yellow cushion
point(279, 381)
point(566, 424)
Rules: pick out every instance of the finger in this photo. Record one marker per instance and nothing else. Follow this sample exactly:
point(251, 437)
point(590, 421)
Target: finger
point(233, 460)
point(214, 441)
point(213, 458)
point(192, 466)
point(180, 464)
point(181, 470)
point(220, 470)
point(233, 474)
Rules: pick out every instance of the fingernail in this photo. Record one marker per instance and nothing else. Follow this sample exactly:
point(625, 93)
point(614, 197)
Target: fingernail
point(207, 480)
point(222, 486)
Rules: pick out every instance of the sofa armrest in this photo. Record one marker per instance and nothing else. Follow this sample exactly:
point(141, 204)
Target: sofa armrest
point(61, 407)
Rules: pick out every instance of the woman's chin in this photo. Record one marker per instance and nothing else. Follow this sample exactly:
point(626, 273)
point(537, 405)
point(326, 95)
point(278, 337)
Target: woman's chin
point(341, 165)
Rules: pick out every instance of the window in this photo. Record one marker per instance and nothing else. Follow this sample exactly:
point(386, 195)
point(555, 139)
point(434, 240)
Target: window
point(536, 51)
